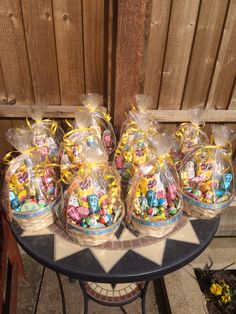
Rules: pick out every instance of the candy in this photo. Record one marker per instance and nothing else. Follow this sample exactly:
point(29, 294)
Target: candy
point(151, 198)
point(14, 201)
point(22, 196)
point(29, 206)
point(173, 211)
point(93, 203)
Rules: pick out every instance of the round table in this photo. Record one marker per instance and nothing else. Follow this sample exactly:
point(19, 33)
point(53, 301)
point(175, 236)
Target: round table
point(125, 259)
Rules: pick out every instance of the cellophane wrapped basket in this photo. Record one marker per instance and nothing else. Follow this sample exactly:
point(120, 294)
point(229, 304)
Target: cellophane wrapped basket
point(93, 207)
point(189, 135)
point(207, 178)
point(154, 200)
point(92, 116)
point(134, 146)
point(47, 134)
point(32, 193)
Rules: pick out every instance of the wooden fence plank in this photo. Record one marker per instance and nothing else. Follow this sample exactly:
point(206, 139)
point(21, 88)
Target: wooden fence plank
point(156, 48)
point(93, 28)
point(3, 94)
point(233, 99)
point(69, 45)
point(39, 30)
point(224, 74)
point(5, 146)
point(180, 38)
point(129, 49)
point(205, 46)
point(13, 53)
point(18, 111)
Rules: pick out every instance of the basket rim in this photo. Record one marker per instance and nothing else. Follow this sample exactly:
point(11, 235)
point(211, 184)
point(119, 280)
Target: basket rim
point(39, 212)
point(160, 222)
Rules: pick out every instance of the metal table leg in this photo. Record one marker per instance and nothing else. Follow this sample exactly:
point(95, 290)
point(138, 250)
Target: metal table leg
point(143, 297)
point(62, 293)
point(86, 299)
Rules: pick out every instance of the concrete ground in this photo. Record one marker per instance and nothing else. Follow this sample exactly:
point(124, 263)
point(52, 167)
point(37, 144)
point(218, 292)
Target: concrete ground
point(39, 293)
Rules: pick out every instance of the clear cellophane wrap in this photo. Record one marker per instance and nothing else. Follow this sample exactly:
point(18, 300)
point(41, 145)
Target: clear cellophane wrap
point(207, 177)
point(31, 182)
point(46, 133)
point(91, 115)
point(134, 146)
point(154, 200)
point(93, 207)
point(189, 135)
point(75, 146)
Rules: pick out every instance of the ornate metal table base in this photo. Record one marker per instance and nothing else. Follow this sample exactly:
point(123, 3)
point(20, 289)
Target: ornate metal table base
point(117, 295)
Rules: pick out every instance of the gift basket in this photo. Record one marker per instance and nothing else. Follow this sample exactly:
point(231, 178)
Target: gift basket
point(91, 116)
point(207, 178)
point(47, 134)
point(134, 145)
point(154, 200)
point(93, 208)
point(189, 135)
point(32, 194)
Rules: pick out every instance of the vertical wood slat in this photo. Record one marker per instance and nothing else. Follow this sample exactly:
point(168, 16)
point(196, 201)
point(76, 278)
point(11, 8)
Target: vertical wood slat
point(179, 43)
point(232, 104)
point(110, 52)
point(129, 50)
point(39, 31)
point(3, 94)
point(13, 53)
point(156, 48)
point(69, 45)
point(224, 74)
point(93, 32)
point(205, 46)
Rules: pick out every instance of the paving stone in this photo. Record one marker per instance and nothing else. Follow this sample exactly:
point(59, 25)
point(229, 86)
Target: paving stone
point(227, 225)
point(28, 288)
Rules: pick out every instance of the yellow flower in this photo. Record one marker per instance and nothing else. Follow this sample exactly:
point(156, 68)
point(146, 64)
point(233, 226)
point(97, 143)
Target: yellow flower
point(216, 289)
point(225, 298)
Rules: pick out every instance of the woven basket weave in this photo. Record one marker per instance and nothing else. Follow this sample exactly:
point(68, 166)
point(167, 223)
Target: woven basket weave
point(156, 229)
point(203, 210)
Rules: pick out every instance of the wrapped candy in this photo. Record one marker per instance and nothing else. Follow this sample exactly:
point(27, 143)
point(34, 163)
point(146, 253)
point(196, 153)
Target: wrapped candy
point(207, 176)
point(47, 134)
point(189, 135)
point(134, 145)
point(93, 208)
point(91, 116)
point(32, 193)
point(154, 200)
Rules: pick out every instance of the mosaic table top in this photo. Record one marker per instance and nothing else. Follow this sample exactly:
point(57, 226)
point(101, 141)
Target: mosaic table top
point(127, 258)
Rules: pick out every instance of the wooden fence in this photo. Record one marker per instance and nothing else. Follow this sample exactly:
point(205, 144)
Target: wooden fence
point(180, 52)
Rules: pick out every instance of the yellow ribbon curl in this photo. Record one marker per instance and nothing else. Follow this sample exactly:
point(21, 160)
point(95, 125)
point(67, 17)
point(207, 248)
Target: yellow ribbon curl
point(53, 124)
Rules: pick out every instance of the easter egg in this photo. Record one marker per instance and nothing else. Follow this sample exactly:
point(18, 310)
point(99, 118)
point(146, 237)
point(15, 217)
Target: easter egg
point(29, 207)
point(173, 211)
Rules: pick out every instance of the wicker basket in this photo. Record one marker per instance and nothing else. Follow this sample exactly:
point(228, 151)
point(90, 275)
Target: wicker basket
point(37, 220)
point(156, 229)
point(29, 220)
point(92, 236)
point(203, 210)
